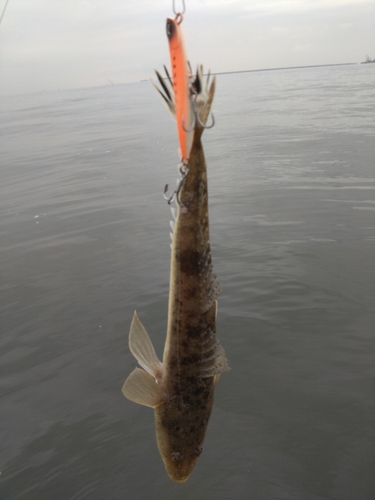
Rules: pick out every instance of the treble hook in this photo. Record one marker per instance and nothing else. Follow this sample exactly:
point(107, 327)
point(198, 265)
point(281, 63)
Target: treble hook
point(183, 10)
point(192, 127)
point(174, 195)
point(196, 118)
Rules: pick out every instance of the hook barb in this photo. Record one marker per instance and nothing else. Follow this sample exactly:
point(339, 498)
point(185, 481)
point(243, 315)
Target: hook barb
point(207, 126)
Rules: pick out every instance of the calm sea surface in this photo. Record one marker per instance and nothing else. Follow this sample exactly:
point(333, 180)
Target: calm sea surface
point(85, 240)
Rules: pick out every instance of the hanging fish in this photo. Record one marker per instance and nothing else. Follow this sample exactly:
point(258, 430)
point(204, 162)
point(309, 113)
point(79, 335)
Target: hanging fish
point(181, 388)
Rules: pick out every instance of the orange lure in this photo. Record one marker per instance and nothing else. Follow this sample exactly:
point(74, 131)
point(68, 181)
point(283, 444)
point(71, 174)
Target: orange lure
point(181, 76)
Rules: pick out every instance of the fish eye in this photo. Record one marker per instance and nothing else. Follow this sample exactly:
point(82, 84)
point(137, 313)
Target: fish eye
point(176, 457)
point(170, 28)
point(198, 450)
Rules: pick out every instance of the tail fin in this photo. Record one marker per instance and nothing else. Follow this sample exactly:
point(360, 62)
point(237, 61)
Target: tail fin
point(205, 94)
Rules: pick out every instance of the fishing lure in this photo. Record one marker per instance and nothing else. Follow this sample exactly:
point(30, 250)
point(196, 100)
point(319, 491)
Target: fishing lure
point(183, 103)
point(181, 82)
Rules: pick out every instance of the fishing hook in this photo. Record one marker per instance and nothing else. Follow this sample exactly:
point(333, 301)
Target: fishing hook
point(191, 128)
point(196, 117)
point(183, 8)
point(174, 195)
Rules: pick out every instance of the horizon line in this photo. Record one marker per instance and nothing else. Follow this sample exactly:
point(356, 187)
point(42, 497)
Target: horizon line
point(286, 67)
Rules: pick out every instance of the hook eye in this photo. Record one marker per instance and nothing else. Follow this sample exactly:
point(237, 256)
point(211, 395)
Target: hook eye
point(179, 17)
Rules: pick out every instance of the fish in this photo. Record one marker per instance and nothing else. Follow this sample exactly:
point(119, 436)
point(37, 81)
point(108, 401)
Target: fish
point(180, 389)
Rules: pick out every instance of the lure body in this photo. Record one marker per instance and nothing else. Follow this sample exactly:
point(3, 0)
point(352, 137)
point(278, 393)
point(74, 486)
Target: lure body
point(181, 77)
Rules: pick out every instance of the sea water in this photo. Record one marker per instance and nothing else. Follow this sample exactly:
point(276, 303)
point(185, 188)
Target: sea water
point(85, 241)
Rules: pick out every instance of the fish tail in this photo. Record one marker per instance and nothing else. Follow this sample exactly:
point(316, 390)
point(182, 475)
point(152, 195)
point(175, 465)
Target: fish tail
point(205, 94)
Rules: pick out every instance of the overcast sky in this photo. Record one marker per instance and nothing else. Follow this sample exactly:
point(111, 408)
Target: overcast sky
point(52, 44)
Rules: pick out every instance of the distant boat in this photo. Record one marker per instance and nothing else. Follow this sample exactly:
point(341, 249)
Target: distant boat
point(368, 60)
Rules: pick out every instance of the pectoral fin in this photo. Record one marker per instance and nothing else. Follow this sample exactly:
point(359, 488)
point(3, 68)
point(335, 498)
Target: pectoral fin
point(141, 388)
point(142, 349)
point(214, 361)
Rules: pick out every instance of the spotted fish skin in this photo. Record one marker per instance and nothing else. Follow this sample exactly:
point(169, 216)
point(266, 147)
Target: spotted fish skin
point(181, 388)
point(181, 422)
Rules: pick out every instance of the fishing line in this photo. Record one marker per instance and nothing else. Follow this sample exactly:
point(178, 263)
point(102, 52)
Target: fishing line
point(179, 12)
point(6, 3)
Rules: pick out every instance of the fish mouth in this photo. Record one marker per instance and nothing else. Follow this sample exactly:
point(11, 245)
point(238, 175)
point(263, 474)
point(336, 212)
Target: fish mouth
point(180, 472)
point(178, 476)
point(180, 480)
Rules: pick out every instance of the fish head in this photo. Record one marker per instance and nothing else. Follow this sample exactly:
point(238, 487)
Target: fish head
point(178, 456)
point(179, 465)
point(180, 432)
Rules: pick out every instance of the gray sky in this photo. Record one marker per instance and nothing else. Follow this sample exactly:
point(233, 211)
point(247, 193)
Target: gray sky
point(51, 44)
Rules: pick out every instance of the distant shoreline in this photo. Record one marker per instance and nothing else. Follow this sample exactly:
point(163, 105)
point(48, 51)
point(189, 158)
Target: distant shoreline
point(277, 69)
